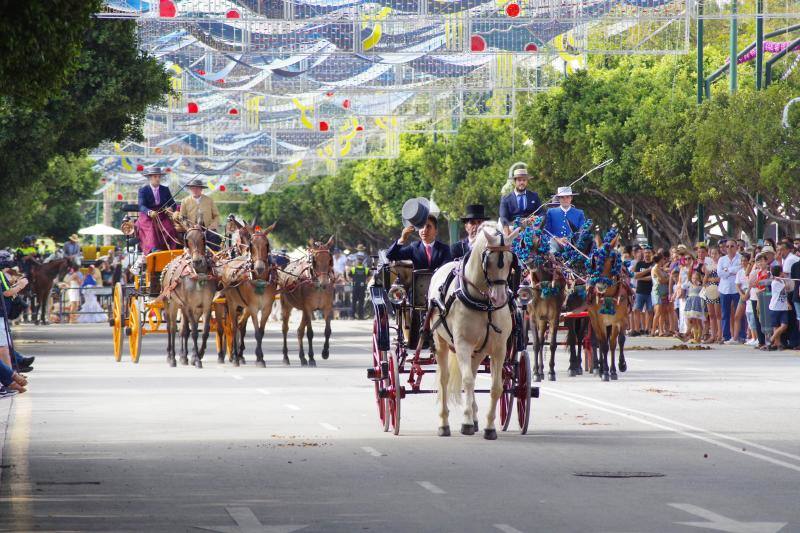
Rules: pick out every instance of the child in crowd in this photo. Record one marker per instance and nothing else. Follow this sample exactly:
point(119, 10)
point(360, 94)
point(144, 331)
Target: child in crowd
point(695, 310)
point(779, 307)
point(660, 296)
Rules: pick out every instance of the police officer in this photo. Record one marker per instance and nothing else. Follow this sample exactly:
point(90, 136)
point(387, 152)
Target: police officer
point(359, 274)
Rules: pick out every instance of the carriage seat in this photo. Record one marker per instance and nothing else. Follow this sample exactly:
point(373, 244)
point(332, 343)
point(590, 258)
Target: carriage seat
point(156, 262)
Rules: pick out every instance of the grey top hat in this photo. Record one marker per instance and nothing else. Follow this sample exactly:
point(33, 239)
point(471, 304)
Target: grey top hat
point(152, 171)
point(197, 183)
point(415, 212)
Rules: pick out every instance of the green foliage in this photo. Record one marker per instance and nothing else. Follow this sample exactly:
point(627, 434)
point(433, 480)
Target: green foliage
point(41, 45)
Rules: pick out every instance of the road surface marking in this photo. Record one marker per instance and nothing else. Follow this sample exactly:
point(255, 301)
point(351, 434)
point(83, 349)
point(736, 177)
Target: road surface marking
point(330, 427)
point(505, 528)
point(430, 487)
point(237, 376)
point(292, 407)
point(619, 411)
point(372, 451)
point(247, 522)
point(723, 523)
point(265, 392)
point(17, 446)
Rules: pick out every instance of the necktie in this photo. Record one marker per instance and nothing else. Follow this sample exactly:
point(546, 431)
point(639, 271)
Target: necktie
point(429, 253)
point(156, 196)
point(521, 202)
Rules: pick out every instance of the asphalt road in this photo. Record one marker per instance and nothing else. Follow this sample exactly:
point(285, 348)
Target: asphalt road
point(103, 446)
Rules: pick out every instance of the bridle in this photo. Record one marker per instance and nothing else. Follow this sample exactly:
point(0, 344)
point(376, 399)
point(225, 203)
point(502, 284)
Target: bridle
point(312, 260)
point(251, 264)
point(500, 249)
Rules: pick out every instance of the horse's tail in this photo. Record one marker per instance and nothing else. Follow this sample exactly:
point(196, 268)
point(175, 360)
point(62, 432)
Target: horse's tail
point(454, 379)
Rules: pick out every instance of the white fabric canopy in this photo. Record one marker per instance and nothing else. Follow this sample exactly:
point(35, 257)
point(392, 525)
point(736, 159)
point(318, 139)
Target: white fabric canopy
point(99, 229)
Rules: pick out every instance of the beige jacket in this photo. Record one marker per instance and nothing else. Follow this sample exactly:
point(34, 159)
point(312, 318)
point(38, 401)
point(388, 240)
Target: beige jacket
point(190, 209)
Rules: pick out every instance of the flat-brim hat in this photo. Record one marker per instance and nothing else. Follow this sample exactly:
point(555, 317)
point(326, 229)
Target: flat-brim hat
point(74, 238)
point(415, 212)
point(475, 212)
point(361, 248)
point(521, 173)
point(565, 191)
point(197, 183)
point(768, 250)
point(153, 171)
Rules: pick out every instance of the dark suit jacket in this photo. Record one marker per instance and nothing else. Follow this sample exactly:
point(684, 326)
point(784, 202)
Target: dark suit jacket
point(509, 210)
point(415, 252)
point(459, 249)
point(147, 201)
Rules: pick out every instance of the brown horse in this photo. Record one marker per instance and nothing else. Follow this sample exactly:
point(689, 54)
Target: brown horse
point(249, 283)
point(609, 305)
point(189, 283)
point(545, 311)
point(308, 285)
point(43, 276)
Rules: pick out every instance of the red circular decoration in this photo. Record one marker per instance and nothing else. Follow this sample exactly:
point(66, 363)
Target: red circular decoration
point(233, 111)
point(512, 10)
point(323, 126)
point(329, 94)
point(232, 14)
point(238, 174)
point(168, 170)
point(477, 43)
point(246, 188)
point(166, 9)
point(346, 104)
point(120, 197)
point(192, 107)
point(531, 47)
point(103, 180)
point(221, 80)
point(221, 188)
point(359, 128)
point(201, 72)
point(139, 168)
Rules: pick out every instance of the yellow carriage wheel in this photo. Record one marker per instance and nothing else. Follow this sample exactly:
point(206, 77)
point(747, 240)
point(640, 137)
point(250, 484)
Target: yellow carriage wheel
point(153, 318)
point(117, 320)
point(135, 321)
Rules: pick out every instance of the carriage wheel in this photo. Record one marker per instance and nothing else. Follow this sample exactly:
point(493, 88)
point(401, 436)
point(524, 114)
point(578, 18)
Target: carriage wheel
point(523, 391)
point(395, 394)
point(378, 358)
point(507, 398)
point(117, 320)
point(135, 321)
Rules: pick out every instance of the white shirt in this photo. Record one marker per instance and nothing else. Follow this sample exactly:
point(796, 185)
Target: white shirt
point(727, 269)
point(565, 209)
point(790, 260)
point(741, 281)
point(778, 301)
point(340, 264)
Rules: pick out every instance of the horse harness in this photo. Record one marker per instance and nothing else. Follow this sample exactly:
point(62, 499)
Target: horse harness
point(461, 293)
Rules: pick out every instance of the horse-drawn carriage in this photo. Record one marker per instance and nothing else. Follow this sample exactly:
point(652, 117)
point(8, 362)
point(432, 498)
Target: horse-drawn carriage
point(402, 330)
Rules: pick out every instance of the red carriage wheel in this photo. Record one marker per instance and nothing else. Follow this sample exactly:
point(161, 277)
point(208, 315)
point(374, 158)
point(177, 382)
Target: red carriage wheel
point(378, 358)
point(395, 394)
point(507, 398)
point(523, 391)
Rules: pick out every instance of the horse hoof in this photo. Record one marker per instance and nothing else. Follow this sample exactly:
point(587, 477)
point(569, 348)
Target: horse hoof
point(573, 372)
point(551, 376)
point(579, 371)
point(312, 363)
point(444, 431)
point(623, 366)
point(261, 364)
point(198, 363)
point(235, 362)
point(184, 361)
point(475, 425)
point(171, 363)
point(286, 361)
point(221, 360)
point(303, 362)
point(325, 354)
point(613, 376)
point(490, 434)
point(241, 360)
point(537, 377)
point(605, 377)
point(467, 429)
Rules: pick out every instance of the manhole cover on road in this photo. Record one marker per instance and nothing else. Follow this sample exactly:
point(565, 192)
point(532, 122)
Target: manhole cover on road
point(618, 474)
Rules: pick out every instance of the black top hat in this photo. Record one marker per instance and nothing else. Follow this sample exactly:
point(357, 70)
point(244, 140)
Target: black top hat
point(415, 212)
point(197, 183)
point(475, 212)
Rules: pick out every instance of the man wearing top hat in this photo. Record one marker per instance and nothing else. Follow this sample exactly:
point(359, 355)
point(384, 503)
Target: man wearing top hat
point(154, 227)
point(198, 206)
point(520, 203)
point(472, 219)
point(427, 253)
point(562, 221)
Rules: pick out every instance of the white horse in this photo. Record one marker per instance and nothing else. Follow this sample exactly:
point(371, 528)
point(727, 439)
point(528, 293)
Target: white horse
point(472, 320)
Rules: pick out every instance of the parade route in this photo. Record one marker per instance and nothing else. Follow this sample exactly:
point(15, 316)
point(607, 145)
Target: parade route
point(103, 446)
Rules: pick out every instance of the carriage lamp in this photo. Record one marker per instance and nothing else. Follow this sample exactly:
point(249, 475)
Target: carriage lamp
point(397, 293)
point(127, 226)
point(524, 294)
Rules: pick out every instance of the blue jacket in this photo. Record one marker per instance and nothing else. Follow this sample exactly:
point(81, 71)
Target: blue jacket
point(558, 223)
point(415, 252)
point(147, 202)
point(459, 249)
point(509, 209)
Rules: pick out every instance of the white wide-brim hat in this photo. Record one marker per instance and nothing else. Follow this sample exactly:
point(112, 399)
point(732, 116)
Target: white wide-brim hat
point(565, 191)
